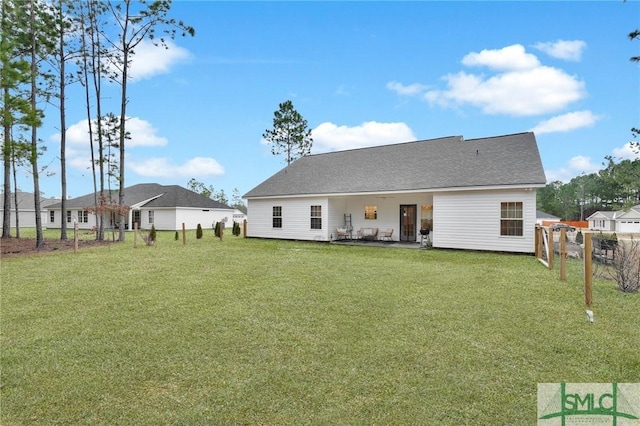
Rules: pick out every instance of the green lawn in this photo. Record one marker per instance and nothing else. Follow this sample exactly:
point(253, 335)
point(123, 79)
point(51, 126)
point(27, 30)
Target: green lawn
point(273, 332)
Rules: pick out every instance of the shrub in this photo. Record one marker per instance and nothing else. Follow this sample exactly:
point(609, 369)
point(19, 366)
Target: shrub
point(176, 236)
point(150, 237)
point(626, 266)
point(199, 232)
point(579, 237)
point(216, 230)
point(236, 229)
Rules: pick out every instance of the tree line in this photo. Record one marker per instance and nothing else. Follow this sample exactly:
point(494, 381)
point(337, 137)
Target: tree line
point(48, 45)
point(218, 195)
point(615, 187)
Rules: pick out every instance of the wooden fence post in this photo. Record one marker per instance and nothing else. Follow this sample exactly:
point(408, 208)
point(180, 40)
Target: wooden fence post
point(135, 234)
point(244, 228)
point(550, 249)
point(184, 235)
point(537, 241)
point(75, 236)
point(563, 254)
point(588, 272)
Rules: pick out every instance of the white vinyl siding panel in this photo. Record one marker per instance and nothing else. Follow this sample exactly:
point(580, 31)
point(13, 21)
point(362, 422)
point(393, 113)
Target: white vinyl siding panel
point(171, 219)
point(296, 219)
point(334, 216)
point(602, 223)
point(163, 220)
point(207, 218)
point(471, 220)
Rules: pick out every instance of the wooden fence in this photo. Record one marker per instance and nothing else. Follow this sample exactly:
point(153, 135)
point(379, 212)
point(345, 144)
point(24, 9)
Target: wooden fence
point(544, 251)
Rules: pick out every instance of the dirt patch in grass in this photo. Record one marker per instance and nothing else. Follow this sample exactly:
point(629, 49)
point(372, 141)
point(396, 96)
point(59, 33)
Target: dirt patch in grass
point(14, 247)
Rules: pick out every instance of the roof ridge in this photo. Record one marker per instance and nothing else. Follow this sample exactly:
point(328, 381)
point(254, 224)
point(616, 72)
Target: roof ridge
point(385, 145)
point(499, 136)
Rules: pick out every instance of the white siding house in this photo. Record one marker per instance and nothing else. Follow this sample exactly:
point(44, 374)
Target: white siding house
point(477, 194)
point(629, 221)
point(26, 217)
point(604, 221)
point(166, 207)
point(623, 221)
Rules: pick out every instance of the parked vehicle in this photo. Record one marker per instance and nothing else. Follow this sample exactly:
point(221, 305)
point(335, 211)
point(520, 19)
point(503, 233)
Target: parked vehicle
point(559, 226)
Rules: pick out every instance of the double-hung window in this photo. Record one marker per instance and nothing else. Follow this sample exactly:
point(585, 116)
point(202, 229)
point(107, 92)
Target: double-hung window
point(52, 216)
point(83, 216)
point(150, 217)
point(316, 217)
point(511, 220)
point(277, 216)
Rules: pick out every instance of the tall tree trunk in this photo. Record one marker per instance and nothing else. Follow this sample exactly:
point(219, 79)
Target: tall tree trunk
point(123, 116)
point(6, 156)
point(15, 196)
point(63, 129)
point(34, 128)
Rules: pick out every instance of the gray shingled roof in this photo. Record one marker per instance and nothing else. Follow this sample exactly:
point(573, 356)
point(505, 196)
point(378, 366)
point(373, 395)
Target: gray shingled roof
point(543, 215)
point(443, 163)
point(159, 196)
point(26, 201)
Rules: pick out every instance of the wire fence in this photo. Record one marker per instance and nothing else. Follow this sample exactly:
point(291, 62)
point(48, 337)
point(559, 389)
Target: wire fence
point(604, 256)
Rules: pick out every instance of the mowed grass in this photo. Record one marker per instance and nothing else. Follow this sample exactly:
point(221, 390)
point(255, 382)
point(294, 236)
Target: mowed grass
point(247, 331)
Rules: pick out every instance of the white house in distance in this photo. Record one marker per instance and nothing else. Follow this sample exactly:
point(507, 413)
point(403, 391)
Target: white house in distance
point(26, 209)
point(624, 221)
point(545, 218)
point(477, 194)
point(165, 207)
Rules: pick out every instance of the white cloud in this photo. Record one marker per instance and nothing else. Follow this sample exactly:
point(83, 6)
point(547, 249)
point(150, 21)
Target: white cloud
point(520, 93)
point(566, 122)
point(574, 167)
point(78, 154)
point(412, 89)
point(142, 133)
point(150, 60)
point(508, 58)
point(162, 167)
point(517, 85)
point(570, 50)
point(625, 152)
point(331, 137)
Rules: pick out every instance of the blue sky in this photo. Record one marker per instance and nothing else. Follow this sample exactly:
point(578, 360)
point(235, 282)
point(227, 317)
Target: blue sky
point(364, 74)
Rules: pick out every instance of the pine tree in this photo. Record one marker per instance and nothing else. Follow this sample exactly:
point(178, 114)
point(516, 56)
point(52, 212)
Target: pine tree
point(289, 135)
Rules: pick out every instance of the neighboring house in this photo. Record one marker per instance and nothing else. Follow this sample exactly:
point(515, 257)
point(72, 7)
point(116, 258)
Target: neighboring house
point(26, 209)
point(478, 194)
point(604, 221)
point(629, 220)
point(239, 216)
point(165, 207)
point(622, 221)
point(543, 218)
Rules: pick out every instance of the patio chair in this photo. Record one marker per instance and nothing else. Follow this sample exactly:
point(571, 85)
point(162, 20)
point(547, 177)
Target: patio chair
point(387, 235)
point(343, 234)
